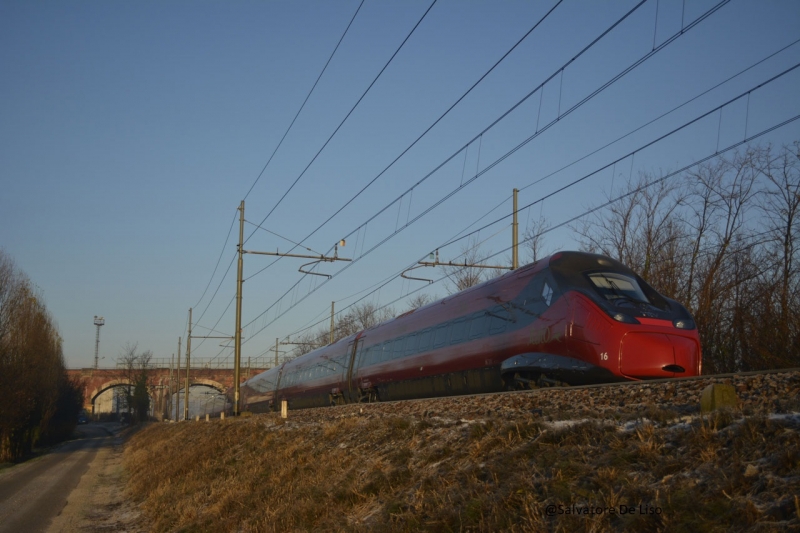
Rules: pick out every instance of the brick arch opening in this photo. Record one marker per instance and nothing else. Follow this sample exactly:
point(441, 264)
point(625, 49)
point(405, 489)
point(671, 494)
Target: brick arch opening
point(209, 383)
point(198, 382)
point(120, 382)
point(107, 385)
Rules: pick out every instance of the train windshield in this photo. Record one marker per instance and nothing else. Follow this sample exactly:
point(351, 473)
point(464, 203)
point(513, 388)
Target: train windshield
point(613, 286)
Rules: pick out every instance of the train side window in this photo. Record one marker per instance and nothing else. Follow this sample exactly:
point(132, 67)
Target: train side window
point(459, 331)
point(344, 362)
point(386, 353)
point(424, 340)
point(440, 337)
point(478, 326)
point(365, 357)
point(369, 359)
point(411, 344)
point(397, 352)
point(375, 356)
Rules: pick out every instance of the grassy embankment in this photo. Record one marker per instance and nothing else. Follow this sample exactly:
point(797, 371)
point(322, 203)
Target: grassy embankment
point(373, 472)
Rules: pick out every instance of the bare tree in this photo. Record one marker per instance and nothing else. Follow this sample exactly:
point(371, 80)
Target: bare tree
point(420, 299)
point(533, 239)
point(723, 240)
point(136, 369)
point(468, 275)
point(358, 318)
point(40, 402)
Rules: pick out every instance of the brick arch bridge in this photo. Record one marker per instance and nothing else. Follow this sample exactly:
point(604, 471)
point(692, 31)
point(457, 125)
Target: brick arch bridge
point(96, 381)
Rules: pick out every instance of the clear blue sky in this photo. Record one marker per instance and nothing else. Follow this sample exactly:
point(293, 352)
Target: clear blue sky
point(130, 132)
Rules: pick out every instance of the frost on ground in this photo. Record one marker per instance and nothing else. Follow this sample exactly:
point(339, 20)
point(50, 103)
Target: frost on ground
point(633, 457)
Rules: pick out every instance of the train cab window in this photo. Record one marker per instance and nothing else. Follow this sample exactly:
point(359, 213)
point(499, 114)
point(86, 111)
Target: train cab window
point(411, 344)
point(478, 326)
point(459, 331)
point(613, 286)
point(547, 293)
point(440, 338)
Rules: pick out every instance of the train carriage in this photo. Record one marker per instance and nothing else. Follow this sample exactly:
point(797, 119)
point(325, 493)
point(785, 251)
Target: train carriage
point(572, 318)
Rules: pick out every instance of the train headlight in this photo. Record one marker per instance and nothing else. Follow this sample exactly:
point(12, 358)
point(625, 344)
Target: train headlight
point(684, 323)
point(622, 317)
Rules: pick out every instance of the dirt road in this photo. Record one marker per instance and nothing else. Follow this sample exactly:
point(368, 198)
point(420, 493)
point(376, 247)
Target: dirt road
point(33, 493)
point(60, 490)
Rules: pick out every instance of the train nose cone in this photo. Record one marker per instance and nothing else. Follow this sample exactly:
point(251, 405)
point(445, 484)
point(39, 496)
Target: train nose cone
point(657, 355)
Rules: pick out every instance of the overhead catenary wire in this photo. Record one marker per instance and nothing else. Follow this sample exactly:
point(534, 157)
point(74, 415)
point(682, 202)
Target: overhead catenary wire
point(617, 77)
point(610, 82)
point(656, 119)
point(639, 189)
point(625, 71)
point(611, 201)
point(581, 179)
point(664, 44)
point(651, 143)
point(429, 128)
point(335, 131)
point(270, 159)
point(280, 236)
point(440, 118)
point(221, 253)
point(528, 186)
point(445, 276)
point(303, 105)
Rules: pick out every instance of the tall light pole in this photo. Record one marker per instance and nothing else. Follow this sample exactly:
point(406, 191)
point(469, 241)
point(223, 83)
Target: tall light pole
point(98, 321)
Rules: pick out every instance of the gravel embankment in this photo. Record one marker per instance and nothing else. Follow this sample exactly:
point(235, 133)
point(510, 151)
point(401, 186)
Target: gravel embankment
point(777, 392)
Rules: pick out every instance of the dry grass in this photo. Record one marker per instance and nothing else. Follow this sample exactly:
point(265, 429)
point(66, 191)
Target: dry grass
point(366, 472)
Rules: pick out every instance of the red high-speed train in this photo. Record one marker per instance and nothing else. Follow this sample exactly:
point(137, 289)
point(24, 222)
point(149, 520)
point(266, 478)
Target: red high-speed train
point(572, 318)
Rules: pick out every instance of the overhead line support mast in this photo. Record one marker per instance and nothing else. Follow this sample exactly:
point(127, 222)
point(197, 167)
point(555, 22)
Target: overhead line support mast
point(240, 281)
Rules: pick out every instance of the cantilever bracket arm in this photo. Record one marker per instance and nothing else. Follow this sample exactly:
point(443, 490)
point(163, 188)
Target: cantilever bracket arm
point(403, 275)
point(437, 263)
point(318, 259)
point(313, 273)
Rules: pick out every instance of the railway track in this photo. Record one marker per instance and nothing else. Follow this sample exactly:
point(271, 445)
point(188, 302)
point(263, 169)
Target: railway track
point(769, 391)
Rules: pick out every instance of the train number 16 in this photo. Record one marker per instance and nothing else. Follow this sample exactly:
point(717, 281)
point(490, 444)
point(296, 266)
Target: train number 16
point(604, 356)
